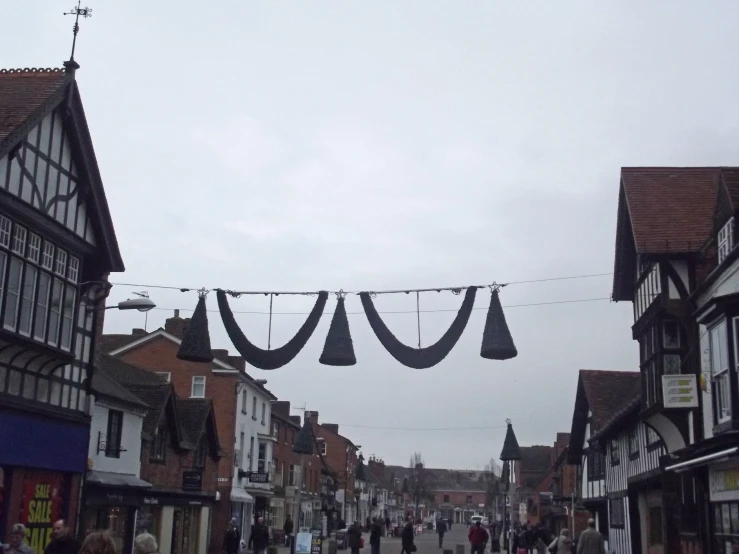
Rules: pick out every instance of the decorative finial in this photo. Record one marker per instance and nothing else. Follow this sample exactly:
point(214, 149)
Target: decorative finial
point(77, 12)
point(508, 421)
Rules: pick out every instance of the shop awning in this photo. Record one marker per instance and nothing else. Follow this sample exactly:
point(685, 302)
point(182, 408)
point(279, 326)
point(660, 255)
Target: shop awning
point(110, 479)
point(695, 462)
point(240, 495)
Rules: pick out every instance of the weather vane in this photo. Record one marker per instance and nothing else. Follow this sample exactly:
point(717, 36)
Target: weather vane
point(77, 12)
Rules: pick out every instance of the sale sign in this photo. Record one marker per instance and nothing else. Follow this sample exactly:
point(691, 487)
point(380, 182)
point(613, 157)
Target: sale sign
point(42, 504)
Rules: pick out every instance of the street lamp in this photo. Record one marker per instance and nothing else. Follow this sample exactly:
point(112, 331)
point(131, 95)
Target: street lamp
point(511, 453)
point(142, 304)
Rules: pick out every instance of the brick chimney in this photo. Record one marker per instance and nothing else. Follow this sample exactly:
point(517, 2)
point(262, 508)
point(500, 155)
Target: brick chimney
point(295, 419)
point(176, 325)
point(238, 362)
point(138, 333)
point(313, 416)
point(282, 408)
point(333, 427)
point(220, 354)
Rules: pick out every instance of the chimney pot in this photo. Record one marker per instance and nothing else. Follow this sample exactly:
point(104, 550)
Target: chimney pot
point(177, 313)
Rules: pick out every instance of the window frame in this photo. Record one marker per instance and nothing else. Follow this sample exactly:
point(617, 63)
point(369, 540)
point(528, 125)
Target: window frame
point(158, 445)
point(244, 397)
point(114, 434)
point(633, 440)
point(254, 407)
point(725, 240)
point(616, 517)
point(323, 448)
point(193, 384)
point(615, 452)
point(200, 454)
point(264, 413)
point(720, 380)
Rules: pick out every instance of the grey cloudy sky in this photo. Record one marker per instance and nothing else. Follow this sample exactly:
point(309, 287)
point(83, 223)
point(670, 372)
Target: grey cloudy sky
point(329, 144)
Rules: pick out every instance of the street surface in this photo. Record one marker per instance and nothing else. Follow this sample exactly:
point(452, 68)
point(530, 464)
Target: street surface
point(427, 543)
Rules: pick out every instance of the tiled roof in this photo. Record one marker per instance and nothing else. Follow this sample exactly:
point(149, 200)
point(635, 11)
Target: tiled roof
point(125, 373)
point(606, 392)
point(22, 92)
point(445, 479)
point(105, 386)
point(156, 396)
point(730, 176)
point(535, 462)
point(192, 414)
point(109, 343)
point(671, 208)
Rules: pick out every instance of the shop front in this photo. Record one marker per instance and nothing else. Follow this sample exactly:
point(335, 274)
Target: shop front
point(41, 467)
point(111, 502)
point(180, 522)
point(242, 507)
point(723, 481)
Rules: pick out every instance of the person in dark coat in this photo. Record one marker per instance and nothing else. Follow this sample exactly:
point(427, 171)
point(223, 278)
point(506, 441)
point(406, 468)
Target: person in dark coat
point(441, 530)
point(288, 528)
point(62, 542)
point(354, 537)
point(259, 537)
point(388, 526)
point(232, 539)
point(406, 539)
point(375, 535)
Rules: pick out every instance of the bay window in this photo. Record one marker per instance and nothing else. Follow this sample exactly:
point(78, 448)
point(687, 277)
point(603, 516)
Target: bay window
point(13, 293)
point(719, 357)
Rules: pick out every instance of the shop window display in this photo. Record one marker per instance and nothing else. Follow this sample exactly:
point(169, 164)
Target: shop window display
point(726, 527)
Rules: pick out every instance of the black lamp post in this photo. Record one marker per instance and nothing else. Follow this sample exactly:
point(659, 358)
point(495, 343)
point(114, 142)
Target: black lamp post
point(303, 446)
point(511, 453)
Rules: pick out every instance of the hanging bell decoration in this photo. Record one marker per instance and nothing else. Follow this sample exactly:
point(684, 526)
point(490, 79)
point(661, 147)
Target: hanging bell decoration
point(195, 346)
point(305, 440)
point(497, 342)
point(339, 349)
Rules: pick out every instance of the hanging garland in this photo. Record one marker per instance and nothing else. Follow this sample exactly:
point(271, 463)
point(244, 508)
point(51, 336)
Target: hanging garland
point(338, 350)
point(419, 358)
point(270, 359)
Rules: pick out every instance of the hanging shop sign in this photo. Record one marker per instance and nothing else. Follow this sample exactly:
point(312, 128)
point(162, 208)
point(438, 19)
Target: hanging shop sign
point(192, 481)
point(255, 477)
point(723, 482)
point(679, 391)
point(338, 350)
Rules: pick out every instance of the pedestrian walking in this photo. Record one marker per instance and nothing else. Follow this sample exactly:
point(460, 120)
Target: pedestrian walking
point(441, 530)
point(99, 542)
point(562, 544)
point(591, 541)
point(232, 538)
point(61, 541)
point(406, 539)
point(478, 538)
point(259, 537)
point(288, 528)
point(354, 537)
point(375, 535)
point(15, 541)
point(145, 544)
point(388, 527)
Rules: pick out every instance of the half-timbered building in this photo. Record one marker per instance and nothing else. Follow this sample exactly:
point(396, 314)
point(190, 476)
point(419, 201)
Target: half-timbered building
point(57, 246)
point(674, 252)
point(599, 396)
point(633, 479)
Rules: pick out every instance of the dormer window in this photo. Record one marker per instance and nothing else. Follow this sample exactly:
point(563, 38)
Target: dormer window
point(725, 240)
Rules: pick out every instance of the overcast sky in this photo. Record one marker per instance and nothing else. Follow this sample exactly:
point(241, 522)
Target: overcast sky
point(366, 145)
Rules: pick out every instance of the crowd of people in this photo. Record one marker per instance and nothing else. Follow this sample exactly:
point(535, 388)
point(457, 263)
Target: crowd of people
point(63, 542)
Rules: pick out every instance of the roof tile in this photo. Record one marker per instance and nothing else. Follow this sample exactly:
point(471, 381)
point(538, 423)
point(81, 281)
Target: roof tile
point(607, 391)
point(22, 92)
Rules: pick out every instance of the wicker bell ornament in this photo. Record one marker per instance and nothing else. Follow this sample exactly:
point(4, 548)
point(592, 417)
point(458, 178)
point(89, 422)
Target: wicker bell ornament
point(195, 346)
point(339, 348)
point(497, 342)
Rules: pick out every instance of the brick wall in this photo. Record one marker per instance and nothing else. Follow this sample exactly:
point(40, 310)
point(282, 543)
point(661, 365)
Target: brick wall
point(160, 354)
point(169, 473)
point(342, 462)
point(460, 498)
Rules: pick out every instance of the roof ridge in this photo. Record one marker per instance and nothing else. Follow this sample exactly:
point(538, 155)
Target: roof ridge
point(46, 70)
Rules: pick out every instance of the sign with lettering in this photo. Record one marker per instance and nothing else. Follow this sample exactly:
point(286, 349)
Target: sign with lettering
point(255, 477)
point(192, 481)
point(43, 502)
point(316, 545)
point(303, 543)
point(679, 391)
point(723, 483)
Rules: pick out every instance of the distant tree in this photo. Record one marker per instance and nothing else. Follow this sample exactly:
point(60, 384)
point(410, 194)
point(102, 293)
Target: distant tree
point(491, 480)
point(416, 481)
